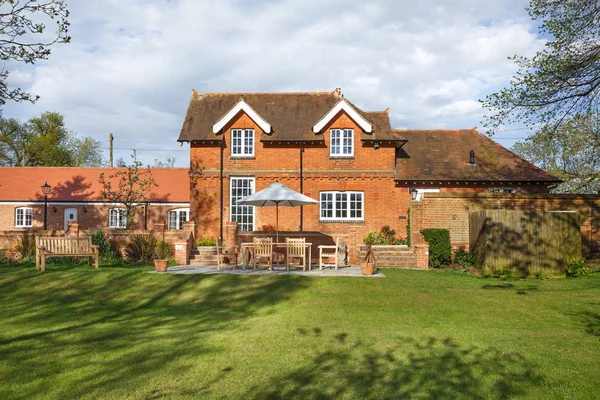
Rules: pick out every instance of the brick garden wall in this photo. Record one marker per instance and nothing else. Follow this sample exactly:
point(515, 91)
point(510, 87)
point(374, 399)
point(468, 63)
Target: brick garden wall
point(451, 211)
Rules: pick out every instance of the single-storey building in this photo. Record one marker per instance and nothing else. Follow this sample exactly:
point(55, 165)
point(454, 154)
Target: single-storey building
point(75, 196)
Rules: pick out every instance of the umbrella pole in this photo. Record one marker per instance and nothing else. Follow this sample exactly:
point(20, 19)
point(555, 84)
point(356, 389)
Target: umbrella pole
point(277, 222)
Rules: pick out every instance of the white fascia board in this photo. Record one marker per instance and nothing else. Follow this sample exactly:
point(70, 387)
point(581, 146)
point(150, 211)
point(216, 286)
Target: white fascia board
point(242, 106)
point(343, 105)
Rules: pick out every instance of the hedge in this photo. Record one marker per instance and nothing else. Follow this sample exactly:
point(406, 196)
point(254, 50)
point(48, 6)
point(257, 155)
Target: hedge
point(440, 250)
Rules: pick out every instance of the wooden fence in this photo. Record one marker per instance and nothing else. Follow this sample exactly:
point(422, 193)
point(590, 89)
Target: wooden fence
point(525, 242)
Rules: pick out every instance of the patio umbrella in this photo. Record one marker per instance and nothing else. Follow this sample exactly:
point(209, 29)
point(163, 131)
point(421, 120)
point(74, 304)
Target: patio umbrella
point(276, 195)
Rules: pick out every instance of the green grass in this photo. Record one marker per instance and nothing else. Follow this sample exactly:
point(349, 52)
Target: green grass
point(76, 332)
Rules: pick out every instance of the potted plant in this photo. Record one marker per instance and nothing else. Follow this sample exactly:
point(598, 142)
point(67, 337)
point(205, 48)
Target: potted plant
point(162, 252)
point(367, 266)
point(207, 249)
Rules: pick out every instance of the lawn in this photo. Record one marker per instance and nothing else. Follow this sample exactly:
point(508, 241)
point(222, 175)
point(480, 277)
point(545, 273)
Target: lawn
point(118, 332)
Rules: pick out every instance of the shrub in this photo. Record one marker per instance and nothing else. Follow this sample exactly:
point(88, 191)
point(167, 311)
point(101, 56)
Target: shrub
point(440, 250)
point(464, 259)
point(385, 236)
point(99, 238)
point(503, 274)
point(577, 268)
point(205, 242)
point(162, 250)
point(268, 228)
point(401, 241)
point(140, 247)
point(26, 247)
point(542, 276)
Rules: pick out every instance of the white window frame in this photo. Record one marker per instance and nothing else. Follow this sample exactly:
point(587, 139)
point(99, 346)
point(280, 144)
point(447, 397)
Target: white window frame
point(346, 139)
point(233, 209)
point(121, 218)
point(26, 213)
point(178, 220)
point(241, 150)
point(420, 192)
point(334, 206)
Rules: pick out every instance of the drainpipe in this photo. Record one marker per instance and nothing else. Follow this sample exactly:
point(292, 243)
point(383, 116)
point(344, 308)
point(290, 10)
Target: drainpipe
point(221, 192)
point(301, 184)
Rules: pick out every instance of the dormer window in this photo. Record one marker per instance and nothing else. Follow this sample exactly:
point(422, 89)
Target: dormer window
point(242, 143)
point(342, 143)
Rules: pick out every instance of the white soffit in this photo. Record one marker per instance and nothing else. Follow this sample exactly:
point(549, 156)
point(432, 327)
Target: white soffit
point(343, 105)
point(242, 106)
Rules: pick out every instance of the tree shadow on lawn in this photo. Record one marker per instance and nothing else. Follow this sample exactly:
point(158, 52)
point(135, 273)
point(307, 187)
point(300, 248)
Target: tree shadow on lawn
point(590, 320)
point(108, 334)
point(430, 368)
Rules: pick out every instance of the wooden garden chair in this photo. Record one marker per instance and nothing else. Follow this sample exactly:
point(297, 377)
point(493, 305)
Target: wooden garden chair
point(223, 253)
point(295, 248)
point(263, 248)
point(328, 255)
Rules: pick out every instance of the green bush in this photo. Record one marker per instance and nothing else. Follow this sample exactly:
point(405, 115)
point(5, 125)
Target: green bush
point(464, 259)
point(140, 248)
point(162, 250)
point(205, 242)
point(26, 247)
point(401, 241)
point(503, 274)
point(99, 238)
point(385, 236)
point(577, 268)
point(440, 250)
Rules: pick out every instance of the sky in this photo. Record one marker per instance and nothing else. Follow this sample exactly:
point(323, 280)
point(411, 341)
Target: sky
point(131, 65)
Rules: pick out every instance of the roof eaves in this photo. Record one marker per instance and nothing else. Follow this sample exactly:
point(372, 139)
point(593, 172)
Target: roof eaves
point(345, 106)
point(241, 105)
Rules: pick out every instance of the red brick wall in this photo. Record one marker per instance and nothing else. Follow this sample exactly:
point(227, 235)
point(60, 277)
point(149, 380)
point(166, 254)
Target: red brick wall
point(96, 216)
point(451, 211)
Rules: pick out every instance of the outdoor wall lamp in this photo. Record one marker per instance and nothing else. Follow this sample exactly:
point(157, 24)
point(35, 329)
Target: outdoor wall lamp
point(376, 145)
point(45, 191)
point(413, 192)
point(54, 210)
point(84, 209)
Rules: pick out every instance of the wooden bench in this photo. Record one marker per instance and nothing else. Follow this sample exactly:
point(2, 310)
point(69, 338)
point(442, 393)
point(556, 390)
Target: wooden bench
point(46, 247)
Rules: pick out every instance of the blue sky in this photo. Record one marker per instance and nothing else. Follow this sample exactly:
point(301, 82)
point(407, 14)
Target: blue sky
point(132, 64)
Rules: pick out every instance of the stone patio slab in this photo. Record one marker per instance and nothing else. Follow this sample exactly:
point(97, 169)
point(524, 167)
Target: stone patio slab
point(228, 270)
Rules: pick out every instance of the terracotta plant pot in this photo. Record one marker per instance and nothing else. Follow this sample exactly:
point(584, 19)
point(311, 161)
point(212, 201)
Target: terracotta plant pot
point(161, 265)
point(367, 268)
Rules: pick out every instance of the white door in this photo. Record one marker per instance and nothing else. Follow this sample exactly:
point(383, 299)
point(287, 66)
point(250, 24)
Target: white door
point(70, 215)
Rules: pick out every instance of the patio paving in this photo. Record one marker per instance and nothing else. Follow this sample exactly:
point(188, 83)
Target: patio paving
point(227, 270)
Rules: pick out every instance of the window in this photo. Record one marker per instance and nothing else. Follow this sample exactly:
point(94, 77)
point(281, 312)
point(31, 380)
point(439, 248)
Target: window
point(243, 215)
point(178, 217)
point(428, 190)
point(342, 143)
point(23, 217)
point(342, 206)
point(242, 142)
point(117, 218)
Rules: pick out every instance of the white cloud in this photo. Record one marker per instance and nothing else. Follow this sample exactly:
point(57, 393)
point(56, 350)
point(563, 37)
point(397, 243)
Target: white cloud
point(132, 64)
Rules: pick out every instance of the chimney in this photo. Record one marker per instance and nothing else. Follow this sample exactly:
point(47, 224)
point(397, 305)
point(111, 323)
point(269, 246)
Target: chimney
point(338, 92)
point(472, 157)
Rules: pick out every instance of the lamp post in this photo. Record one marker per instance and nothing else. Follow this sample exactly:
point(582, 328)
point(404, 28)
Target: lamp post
point(46, 191)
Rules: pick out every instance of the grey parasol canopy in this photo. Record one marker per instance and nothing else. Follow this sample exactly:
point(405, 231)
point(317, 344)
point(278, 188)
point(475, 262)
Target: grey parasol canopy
point(276, 195)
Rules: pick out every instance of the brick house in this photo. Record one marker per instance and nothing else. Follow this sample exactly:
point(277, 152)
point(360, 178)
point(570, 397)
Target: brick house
point(358, 168)
point(75, 196)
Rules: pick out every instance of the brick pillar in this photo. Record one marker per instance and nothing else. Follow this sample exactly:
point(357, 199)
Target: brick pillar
point(355, 240)
point(182, 252)
point(422, 253)
point(72, 229)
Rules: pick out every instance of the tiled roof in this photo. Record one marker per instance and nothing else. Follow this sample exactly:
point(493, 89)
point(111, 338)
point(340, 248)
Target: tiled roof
point(291, 115)
point(81, 184)
point(431, 155)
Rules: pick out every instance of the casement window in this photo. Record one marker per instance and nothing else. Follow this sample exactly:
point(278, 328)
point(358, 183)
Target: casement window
point(242, 143)
point(342, 143)
point(427, 190)
point(342, 206)
point(178, 217)
point(23, 217)
point(117, 218)
point(243, 215)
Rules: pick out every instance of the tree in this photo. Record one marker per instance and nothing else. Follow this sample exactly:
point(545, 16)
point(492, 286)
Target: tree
point(130, 186)
point(168, 163)
point(569, 152)
point(24, 37)
point(560, 81)
point(45, 141)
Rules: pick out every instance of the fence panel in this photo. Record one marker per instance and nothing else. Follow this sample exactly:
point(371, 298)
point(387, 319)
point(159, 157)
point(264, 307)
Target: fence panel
point(525, 242)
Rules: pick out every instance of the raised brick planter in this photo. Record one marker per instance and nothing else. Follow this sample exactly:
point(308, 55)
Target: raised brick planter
point(391, 256)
